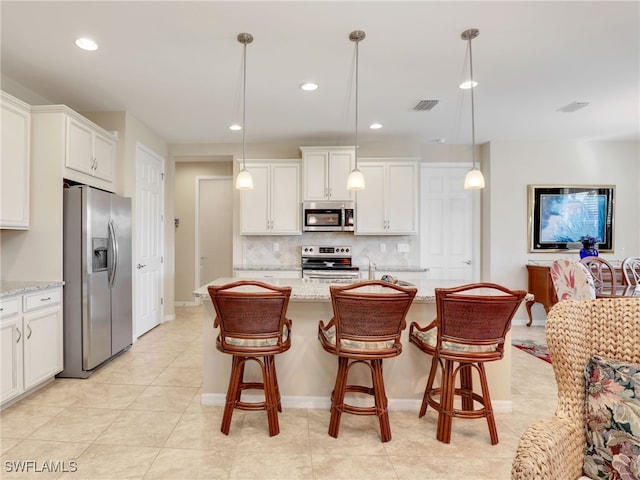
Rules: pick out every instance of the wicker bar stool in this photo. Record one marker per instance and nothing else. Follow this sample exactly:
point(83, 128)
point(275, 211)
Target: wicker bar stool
point(253, 326)
point(368, 318)
point(470, 329)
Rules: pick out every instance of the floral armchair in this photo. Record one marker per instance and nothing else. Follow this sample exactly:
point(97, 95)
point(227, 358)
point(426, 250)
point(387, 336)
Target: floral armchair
point(572, 280)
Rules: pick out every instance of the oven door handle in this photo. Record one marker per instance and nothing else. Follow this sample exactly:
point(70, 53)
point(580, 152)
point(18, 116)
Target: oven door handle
point(319, 275)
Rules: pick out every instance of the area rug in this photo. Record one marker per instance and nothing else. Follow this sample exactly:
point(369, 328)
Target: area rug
point(535, 349)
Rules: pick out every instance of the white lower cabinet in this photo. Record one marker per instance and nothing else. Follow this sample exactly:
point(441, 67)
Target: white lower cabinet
point(11, 348)
point(31, 338)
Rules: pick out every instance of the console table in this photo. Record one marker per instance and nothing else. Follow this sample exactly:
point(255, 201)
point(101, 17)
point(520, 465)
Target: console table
point(541, 286)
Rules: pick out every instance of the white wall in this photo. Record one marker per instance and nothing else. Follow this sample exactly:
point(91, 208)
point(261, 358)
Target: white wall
point(510, 167)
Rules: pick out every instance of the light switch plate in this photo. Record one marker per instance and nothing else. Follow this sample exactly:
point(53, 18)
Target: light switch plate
point(403, 247)
point(383, 247)
point(276, 247)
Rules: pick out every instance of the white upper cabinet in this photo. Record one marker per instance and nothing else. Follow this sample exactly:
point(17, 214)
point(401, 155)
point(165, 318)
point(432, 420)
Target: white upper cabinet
point(14, 163)
point(325, 173)
point(88, 150)
point(389, 203)
point(273, 206)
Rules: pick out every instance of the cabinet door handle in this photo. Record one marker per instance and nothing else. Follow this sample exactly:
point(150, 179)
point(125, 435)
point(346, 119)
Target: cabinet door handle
point(19, 335)
point(30, 332)
point(45, 299)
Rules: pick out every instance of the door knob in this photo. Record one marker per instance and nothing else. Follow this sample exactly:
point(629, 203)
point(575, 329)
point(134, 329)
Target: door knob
point(139, 266)
point(468, 262)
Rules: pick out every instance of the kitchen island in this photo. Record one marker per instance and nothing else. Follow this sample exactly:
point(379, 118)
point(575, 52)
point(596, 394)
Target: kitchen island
point(306, 373)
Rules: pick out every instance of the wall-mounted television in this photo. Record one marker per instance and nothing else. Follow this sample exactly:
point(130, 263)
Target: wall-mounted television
point(560, 215)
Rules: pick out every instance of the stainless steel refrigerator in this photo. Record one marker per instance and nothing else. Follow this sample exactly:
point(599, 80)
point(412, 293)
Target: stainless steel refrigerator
point(97, 279)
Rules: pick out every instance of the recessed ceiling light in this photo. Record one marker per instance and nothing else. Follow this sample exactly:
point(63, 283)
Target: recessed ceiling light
point(468, 84)
point(235, 126)
point(375, 126)
point(309, 87)
point(86, 44)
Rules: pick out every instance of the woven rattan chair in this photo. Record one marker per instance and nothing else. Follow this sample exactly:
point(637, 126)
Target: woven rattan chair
point(470, 329)
point(554, 449)
point(631, 271)
point(253, 326)
point(368, 318)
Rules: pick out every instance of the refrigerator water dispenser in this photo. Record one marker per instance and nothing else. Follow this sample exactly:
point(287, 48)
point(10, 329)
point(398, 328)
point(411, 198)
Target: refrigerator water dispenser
point(99, 254)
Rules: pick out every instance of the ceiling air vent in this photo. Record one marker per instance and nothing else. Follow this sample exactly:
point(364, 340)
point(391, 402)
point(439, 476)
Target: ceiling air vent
point(427, 105)
point(573, 106)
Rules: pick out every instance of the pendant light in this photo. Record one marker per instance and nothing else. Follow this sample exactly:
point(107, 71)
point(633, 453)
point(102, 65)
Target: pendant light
point(474, 178)
point(356, 179)
point(244, 180)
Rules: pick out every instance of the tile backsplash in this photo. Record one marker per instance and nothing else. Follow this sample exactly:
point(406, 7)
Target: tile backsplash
point(285, 250)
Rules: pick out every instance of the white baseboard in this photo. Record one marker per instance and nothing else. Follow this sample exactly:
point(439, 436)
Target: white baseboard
point(168, 318)
point(324, 403)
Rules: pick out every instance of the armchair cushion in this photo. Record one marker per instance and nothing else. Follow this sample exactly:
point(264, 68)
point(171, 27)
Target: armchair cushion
point(330, 336)
point(430, 338)
point(257, 342)
point(612, 419)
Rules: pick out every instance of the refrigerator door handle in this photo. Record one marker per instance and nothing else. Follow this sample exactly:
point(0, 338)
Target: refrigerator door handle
point(113, 240)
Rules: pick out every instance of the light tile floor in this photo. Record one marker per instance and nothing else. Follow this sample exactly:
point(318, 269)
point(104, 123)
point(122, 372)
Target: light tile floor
point(139, 417)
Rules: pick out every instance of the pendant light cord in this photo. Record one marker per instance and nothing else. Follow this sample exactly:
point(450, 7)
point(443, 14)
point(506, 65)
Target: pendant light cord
point(473, 113)
point(244, 100)
point(356, 146)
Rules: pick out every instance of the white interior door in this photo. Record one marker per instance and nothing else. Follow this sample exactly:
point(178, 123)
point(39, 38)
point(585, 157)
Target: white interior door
point(149, 239)
point(214, 229)
point(446, 225)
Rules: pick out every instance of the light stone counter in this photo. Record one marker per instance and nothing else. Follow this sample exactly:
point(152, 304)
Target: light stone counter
point(22, 287)
point(274, 268)
point(306, 373)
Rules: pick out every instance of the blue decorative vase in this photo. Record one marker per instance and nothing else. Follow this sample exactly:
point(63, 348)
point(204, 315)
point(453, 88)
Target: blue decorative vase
point(588, 251)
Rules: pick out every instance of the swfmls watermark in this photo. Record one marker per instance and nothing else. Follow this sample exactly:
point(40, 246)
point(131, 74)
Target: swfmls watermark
point(40, 466)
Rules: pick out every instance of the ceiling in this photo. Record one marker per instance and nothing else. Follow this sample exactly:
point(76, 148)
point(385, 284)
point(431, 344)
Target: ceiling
point(177, 67)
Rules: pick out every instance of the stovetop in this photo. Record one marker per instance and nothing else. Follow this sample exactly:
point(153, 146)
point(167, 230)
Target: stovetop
point(326, 257)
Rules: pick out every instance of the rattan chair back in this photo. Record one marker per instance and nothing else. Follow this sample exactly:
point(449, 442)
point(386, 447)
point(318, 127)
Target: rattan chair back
point(372, 312)
point(251, 311)
point(609, 327)
point(477, 314)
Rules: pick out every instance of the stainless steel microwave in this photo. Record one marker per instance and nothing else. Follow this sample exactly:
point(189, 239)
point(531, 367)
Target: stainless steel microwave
point(328, 216)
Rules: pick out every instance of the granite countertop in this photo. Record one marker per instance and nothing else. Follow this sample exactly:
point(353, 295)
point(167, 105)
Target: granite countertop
point(21, 287)
point(400, 268)
point(260, 268)
point(313, 290)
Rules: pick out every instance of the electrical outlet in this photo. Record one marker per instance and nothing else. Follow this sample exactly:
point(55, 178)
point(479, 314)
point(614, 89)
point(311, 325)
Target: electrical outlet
point(276, 247)
point(383, 247)
point(403, 247)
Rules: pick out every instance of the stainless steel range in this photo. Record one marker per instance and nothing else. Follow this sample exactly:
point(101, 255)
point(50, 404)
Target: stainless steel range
point(328, 263)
